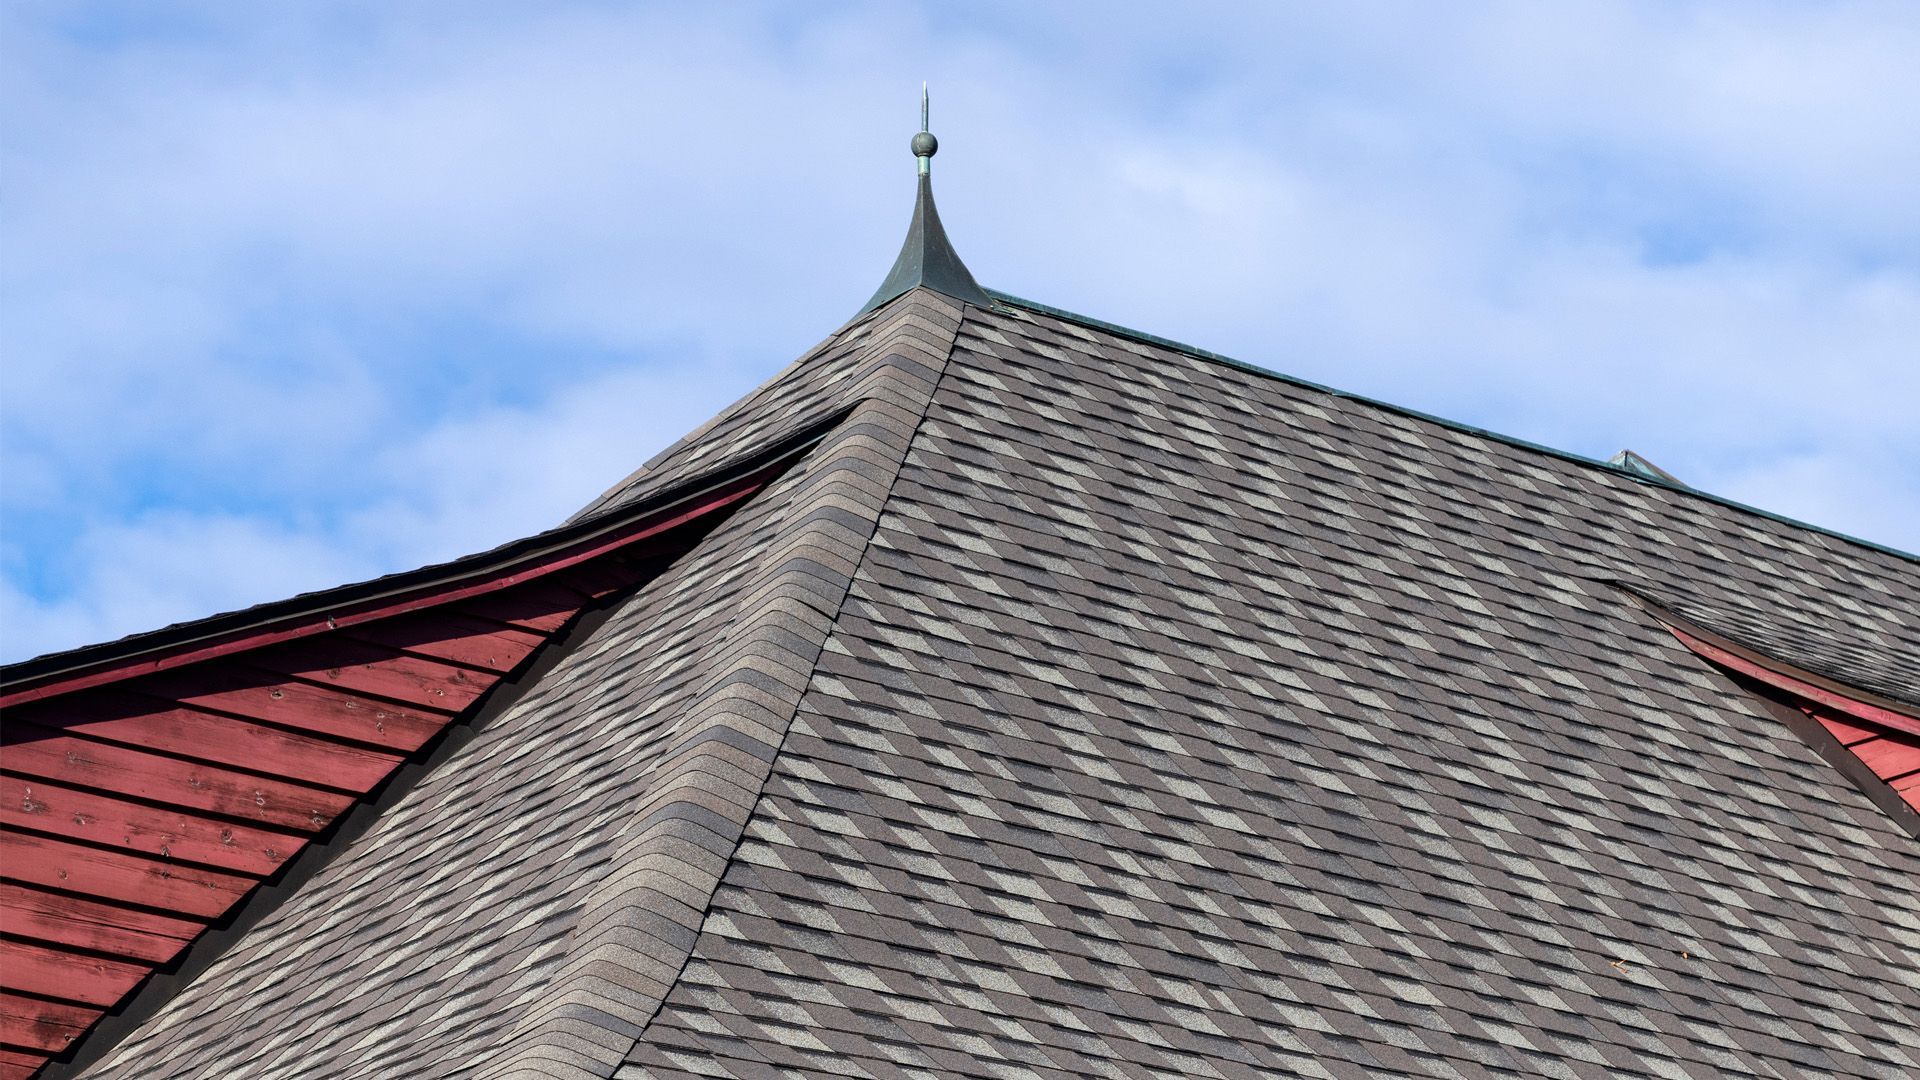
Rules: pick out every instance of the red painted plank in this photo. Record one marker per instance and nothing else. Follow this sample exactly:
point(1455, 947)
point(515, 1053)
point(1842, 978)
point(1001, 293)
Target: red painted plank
point(160, 833)
point(149, 724)
point(323, 710)
point(539, 606)
point(376, 670)
point(69, 976)
point(448, 635)
point(1888, 757)
point(18, 1064)
point(43, 1025)
point(46, 755)
point(85, 924)
point(1860, 710)
point(114, 875)
point(1847, 732)
point(425, 596)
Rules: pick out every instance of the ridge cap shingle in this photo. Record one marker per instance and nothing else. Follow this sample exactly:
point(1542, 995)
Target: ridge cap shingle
point(632, 945)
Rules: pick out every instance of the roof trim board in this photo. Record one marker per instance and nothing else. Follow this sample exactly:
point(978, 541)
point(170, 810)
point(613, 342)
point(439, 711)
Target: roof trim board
point(1781, 676)
point(1143, 337)
point(331, 713)
point(351, 823)
point(1872, 744)
point(1805, 688)
point(348, 605)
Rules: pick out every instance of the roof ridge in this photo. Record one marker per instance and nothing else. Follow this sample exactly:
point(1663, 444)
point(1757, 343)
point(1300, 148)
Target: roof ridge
point(852, 330)
point(637, 927)
point(1197, 353)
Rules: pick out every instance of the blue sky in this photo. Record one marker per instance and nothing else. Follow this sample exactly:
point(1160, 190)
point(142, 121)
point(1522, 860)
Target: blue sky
point(297, 295)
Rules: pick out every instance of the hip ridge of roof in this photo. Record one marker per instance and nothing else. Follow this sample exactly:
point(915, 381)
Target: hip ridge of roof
point(637, 927)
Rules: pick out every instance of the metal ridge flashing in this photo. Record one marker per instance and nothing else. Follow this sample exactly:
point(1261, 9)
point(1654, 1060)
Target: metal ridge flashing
point(1454, 425)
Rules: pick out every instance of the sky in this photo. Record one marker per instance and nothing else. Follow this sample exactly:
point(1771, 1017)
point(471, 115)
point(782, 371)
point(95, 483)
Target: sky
point(296, 295)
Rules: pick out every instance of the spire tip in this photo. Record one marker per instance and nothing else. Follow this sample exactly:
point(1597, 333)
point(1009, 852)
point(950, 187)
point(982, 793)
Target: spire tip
point(924, 144)
point(927, 260)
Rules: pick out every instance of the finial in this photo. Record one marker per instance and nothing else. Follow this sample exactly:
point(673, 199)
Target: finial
point(924, 144)
point(927, 260)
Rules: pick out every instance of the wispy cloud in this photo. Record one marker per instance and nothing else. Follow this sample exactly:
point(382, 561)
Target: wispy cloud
point(297, 297)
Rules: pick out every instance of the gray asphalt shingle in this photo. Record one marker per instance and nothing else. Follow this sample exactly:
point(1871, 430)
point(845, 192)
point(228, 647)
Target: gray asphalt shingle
point(1084, 707)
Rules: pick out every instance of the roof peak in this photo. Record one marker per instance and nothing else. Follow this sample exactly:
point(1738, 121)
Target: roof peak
point(927, 259)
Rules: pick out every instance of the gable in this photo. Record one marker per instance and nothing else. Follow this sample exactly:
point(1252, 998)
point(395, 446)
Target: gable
point(154, 797)
point(551, 860)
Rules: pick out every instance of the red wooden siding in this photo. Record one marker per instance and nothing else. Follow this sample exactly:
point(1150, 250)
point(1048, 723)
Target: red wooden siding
point(142, 804)
point(1886, 740)
point(1894, 756)
point(136, 814)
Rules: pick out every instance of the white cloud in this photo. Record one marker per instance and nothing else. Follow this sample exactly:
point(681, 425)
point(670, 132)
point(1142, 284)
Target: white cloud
point(1858, 488)
point(157, 569)
point(461, 487)
point(389, 286)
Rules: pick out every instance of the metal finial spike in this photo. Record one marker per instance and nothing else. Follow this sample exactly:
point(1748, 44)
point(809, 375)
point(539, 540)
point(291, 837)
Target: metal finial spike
point(924, 144)
point(927, 260)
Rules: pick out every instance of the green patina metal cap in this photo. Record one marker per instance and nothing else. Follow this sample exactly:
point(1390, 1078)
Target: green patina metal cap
point(927, 259)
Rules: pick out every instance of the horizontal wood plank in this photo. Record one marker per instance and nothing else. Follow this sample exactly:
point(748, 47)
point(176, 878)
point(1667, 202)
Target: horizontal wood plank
point(153, 831)
point(19, 1064)
point(86, 924)
point(90, 980)
point(1888, 757)
point(43, 1025)
point(146, 723)
point(66, 759)
point(376, 670)
point(1847, 731)
point(320, 710)
point(50, 863)
point(451, 636)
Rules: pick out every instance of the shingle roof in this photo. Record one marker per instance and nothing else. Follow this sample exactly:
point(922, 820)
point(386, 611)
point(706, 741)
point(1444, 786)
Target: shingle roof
point(1081, 705)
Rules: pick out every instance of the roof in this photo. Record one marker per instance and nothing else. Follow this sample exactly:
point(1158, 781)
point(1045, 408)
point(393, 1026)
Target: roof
point(1073, 703)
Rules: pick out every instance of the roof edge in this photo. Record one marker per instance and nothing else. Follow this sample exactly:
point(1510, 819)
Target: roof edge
point(1781, 675)
point(437, 583)
point(125, 1019)
point(1454, 425)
